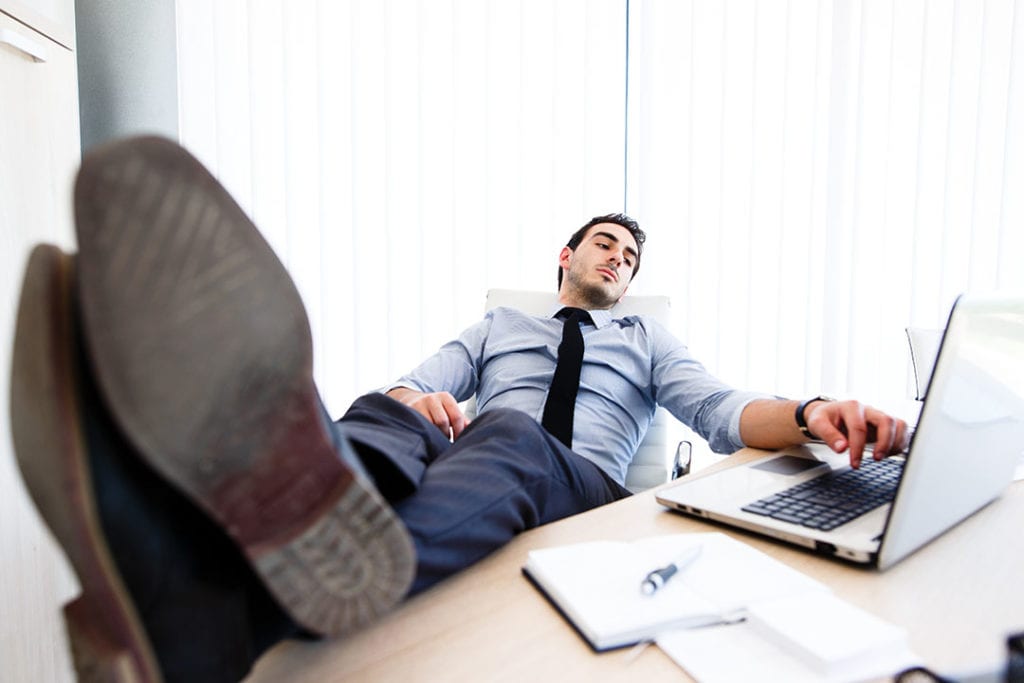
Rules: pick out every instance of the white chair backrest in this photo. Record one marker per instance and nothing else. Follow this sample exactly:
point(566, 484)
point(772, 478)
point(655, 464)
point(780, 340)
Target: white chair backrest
point(651, 463)
point(924, 347)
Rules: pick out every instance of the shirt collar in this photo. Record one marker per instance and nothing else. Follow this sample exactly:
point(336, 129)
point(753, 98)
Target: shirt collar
point(601, 317)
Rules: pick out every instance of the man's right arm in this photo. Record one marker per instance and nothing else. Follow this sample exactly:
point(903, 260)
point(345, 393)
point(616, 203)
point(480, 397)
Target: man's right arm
point(436, 386)
point(439, 407)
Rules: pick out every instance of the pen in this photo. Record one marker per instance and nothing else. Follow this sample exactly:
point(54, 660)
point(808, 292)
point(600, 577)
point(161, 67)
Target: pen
point(659, 577)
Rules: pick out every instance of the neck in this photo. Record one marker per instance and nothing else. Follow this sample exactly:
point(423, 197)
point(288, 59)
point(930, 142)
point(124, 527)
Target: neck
point(580, 300)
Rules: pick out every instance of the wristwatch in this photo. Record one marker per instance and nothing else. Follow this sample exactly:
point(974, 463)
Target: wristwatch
point(801, 422)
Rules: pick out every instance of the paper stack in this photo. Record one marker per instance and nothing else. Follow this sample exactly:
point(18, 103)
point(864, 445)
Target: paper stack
point(792, 627)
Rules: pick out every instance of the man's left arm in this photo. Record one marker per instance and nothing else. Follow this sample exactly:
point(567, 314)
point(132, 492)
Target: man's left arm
point(842, 425)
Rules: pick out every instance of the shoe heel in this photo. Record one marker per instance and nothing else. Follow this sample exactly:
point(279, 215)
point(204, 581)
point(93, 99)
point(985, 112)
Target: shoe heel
point(347, 568)
point(326, 544)
point(97, 655)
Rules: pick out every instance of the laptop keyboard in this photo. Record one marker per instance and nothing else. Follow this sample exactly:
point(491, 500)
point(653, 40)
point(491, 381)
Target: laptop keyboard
point(832, 500)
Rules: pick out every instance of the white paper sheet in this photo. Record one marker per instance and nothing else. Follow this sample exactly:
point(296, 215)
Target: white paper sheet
point(747, 652)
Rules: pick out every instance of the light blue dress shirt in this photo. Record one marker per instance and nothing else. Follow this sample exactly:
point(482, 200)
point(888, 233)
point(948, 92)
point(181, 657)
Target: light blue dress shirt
point(630, 366)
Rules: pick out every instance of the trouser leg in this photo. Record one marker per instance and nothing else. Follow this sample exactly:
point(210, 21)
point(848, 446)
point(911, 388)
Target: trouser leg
point(504, 474)
point(394, 442)
point(461, 501)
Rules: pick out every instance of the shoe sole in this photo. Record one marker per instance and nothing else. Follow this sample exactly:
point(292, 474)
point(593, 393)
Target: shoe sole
point(108, 641)
point(203, 351)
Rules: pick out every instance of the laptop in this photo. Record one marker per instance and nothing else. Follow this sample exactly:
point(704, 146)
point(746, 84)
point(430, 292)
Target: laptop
point(968, 441)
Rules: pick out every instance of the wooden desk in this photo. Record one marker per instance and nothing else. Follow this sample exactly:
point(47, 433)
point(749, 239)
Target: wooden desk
point(958, 596)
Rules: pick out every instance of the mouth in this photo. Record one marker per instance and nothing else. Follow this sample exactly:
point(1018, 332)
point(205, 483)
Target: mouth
point(610, 273)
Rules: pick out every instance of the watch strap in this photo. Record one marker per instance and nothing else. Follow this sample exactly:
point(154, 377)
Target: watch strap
point(801, 422)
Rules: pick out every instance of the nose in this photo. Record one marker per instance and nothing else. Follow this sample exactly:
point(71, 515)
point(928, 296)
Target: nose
point(615, 257)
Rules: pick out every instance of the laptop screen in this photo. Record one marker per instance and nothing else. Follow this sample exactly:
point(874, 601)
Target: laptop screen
point(971, 431)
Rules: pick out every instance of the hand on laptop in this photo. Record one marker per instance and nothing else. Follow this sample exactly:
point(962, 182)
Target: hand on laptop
point(852, 425)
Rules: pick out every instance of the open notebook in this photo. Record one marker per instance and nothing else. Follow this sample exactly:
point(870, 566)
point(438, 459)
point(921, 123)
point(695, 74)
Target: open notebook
point(597, 585)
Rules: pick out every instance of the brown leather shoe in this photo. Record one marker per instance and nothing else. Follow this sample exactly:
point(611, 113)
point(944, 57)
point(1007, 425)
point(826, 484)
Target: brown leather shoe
point(107, 637)
point(202, 350)
point(165, 593)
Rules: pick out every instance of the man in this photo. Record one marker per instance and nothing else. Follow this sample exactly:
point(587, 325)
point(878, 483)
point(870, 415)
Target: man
point(167, 426)
point(635, 364)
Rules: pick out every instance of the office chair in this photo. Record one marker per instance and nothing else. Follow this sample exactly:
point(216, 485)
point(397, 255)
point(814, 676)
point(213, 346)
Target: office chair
point(656, 460)
point(924, 347)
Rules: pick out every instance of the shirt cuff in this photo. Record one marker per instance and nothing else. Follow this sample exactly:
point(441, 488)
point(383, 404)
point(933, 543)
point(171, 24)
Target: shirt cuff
point(401, 385)
point(744, 399)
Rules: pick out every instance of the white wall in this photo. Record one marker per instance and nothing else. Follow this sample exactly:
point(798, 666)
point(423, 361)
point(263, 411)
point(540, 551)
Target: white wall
point(38, 156)
point(819, 175)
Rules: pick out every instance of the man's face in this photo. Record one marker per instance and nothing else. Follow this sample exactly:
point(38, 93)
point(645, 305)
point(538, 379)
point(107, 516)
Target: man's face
point(598, 272)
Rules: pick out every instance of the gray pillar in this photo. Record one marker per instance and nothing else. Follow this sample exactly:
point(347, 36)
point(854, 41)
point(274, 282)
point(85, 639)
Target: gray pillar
point(127, 68)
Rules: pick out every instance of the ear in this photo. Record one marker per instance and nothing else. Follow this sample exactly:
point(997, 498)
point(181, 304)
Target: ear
point(565, 258)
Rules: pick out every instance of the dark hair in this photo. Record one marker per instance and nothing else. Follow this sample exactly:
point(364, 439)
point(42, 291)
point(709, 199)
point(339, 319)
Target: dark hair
point(618, 219)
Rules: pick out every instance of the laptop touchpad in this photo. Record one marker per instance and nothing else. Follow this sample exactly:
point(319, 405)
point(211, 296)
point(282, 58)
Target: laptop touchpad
point(788, 464)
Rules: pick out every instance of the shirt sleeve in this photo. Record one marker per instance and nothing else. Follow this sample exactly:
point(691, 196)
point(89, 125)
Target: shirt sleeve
point(455, 367)
point(684, 387)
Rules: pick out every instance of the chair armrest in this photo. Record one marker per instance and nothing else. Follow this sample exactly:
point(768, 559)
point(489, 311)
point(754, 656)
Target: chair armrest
point(682, 460)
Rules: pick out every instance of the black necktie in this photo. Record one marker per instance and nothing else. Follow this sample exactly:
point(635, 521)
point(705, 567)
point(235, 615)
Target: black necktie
point(561, 403)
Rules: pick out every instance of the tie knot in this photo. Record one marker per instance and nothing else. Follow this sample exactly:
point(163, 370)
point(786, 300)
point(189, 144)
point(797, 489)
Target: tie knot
point(577, 314)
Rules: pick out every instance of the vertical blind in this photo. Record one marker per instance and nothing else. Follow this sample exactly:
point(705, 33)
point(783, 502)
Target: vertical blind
point(404, 156)
point(824, 175)
point(814, 176)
